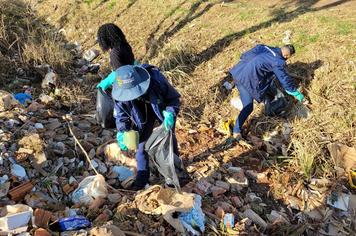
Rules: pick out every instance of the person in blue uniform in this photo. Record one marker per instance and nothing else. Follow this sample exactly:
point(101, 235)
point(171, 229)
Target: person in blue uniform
point(142, 96)
point(253, 75)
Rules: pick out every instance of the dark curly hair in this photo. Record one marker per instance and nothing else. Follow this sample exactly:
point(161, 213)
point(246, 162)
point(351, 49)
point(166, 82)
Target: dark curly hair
point(110, 36)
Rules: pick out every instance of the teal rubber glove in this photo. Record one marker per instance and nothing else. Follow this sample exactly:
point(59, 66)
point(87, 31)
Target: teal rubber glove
point(120, 141)
point(168, 121)
point(298, 95)
point(107, 82)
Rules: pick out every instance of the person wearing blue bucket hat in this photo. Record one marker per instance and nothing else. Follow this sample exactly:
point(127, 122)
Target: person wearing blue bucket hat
point(142, 96)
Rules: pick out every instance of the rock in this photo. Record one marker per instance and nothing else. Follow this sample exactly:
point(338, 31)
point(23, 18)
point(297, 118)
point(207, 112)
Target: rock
point(39, 126)
point(217, 191)
point(53, 124)
point(255, 218)
point(276, 217)
point(217, 175)
point(114, 198)
point(102, 218)
point(234, 170)
point(228, 208)
point(203, 187)
point(91, 54)
point(236, 201)
point(59, 148)
point(223, 185)
point(35, 107)
point(41, 232)
point(219, 212)
point(97, 203)
point(252, 197)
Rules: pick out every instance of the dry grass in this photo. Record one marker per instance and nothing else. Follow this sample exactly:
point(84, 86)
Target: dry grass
point(201, 40)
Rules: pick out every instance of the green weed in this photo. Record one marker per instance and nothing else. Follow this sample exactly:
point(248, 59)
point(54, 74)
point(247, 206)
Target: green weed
point(344, 28)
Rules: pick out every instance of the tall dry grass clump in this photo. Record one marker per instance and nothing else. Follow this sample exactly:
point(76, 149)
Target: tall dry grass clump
point(333, 119)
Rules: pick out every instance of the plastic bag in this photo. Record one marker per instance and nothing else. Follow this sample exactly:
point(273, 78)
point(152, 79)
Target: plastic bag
point(89, 189)
point(104, 109)
point(275, 102)
point(160, 150)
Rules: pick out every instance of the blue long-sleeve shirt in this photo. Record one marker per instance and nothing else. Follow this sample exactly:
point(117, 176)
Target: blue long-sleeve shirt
point(256, 68)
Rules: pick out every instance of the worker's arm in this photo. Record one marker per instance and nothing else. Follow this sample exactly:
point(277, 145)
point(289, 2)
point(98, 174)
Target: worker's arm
point(287, 82)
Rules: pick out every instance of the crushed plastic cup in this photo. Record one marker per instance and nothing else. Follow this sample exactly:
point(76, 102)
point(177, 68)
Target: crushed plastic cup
point(18, 171)
point(123, 172)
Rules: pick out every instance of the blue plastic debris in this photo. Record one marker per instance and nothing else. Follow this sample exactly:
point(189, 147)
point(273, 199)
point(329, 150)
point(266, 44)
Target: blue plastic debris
point(123, 172)
point(194, 220)
point(73, 223)
point(23, 97)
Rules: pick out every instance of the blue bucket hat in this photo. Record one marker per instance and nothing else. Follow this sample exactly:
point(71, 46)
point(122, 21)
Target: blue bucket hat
point(130, 83)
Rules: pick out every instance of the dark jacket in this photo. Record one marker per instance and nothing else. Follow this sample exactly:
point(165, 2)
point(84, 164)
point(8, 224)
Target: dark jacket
point(160, 95)
point(256, 69)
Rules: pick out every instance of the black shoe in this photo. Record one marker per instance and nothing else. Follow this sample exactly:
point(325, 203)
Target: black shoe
point(141, 180)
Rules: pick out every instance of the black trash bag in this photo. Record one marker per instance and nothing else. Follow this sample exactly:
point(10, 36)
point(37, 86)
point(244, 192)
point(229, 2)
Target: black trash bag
point(160, 150)
point(104, 109)
point(275, 102)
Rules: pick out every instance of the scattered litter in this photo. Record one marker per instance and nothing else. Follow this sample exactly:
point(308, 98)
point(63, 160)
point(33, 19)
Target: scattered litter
point(39, 126)
point(123, 173)
point(339, 201)
point(228, 85)
point(91, 54)
point(106, 230)
point(89, 189)
point(71, 224)
point(237, 103)
point(255, 218)
point(23, 98)
point(18, 171)
point(50, 80)
point(15, 218)
point(20, 191)
point(7, 101)
point(229, 221)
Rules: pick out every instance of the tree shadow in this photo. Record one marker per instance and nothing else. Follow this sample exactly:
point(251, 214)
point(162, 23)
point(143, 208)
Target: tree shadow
point(152, 45)
point(129, 5)
point(280, 16)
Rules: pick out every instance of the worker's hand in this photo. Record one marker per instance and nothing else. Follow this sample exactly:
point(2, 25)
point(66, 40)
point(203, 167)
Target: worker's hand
point(120, 141)
point(168, 121)
point(107, 82)
point(298, 95)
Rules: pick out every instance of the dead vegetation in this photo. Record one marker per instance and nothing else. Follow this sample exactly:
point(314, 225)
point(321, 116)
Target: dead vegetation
point(195, 43)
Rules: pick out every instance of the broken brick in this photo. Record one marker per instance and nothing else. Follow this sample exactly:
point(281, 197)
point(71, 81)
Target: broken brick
point(20, 191)
point(217, 191)
point(42, 232)
point(43, 217)
point(203, 187)
point(68, 188)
